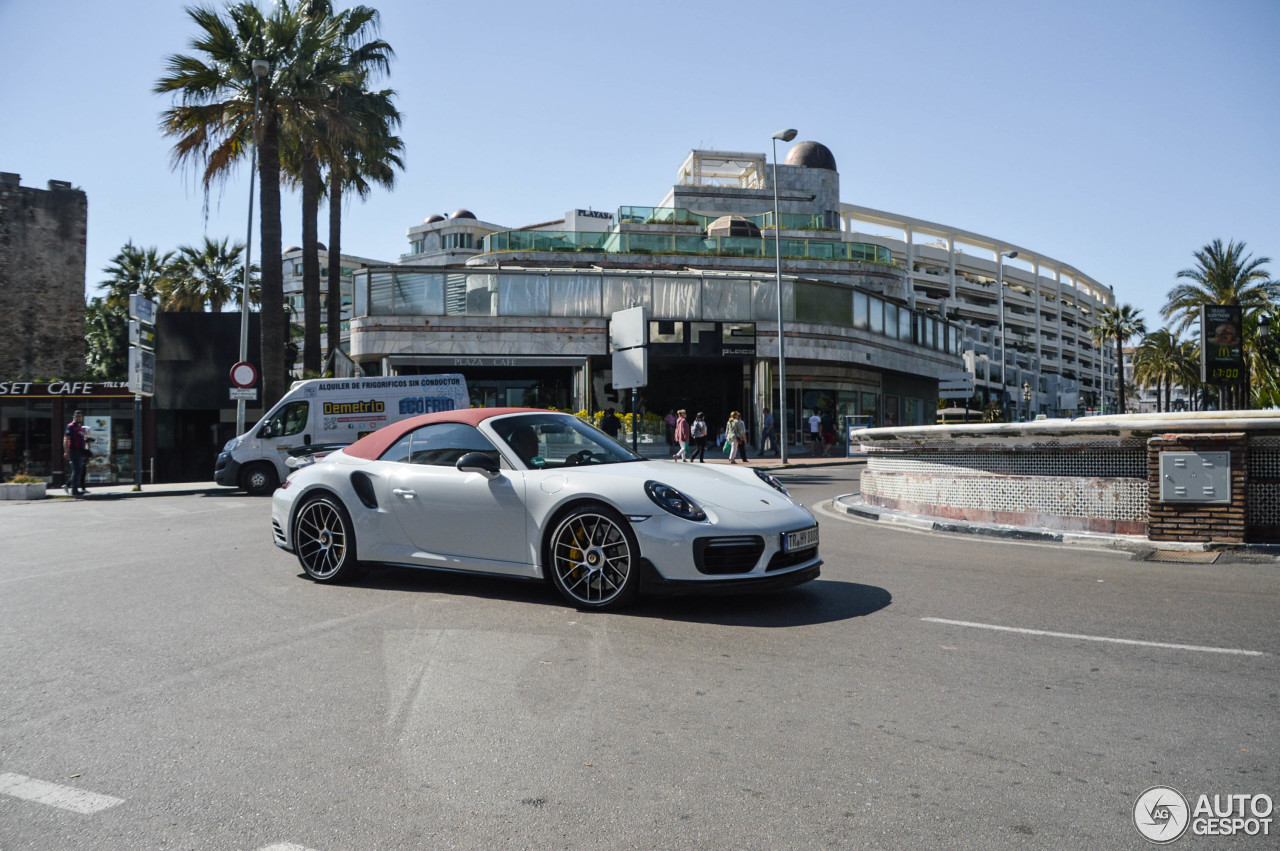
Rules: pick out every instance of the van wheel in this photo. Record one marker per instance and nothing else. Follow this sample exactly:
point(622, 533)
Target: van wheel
point(259, 479)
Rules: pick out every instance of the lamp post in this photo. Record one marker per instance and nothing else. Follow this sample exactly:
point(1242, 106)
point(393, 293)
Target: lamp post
point(1026, 400)
point(260, 69)
point(781, 419)
point(1004, 381)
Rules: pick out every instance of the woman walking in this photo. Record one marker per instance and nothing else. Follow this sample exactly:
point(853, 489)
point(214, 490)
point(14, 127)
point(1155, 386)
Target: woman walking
point(735, 431)
point(682, 436)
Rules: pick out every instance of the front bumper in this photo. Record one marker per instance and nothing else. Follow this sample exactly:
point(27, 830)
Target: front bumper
point(226, 471)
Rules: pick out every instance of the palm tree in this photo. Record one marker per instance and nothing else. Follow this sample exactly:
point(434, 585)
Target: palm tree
point(214, 122)
point(1158, 362)
point(356, 162)
point(134, 271)
point(1119, 323)
point(344, 53)
point(1099, 338)
point(1224, 275)
point(106, 338)
point(211, 274)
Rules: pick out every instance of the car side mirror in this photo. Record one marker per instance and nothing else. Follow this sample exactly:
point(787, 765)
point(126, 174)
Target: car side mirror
point(265, 431)
point(479, 462)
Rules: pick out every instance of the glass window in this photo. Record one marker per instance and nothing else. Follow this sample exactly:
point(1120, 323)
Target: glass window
point(675, 298)
point(904, 324)
point(439, 445)
point(823, 304)
point(875, 313)
point(380, 284)
point(524, 295)
point(891, 322)
point(575, 295)
point(860, 320)
point(419, 293)
point(726, 299)
point(287, 420)
point(361, 284)
point(622, 293)
point(559, 440)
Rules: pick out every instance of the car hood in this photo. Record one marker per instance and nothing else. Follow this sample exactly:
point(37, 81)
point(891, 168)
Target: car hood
point(730, 488)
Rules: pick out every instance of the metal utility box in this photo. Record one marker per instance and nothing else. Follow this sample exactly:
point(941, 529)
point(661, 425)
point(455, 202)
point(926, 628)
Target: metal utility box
point(1195, 477)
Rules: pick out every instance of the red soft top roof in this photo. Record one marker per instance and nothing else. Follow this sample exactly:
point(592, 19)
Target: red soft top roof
point(373, 445)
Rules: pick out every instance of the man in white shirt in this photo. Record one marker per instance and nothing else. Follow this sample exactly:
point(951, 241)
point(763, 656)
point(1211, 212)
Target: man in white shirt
point(815, 434)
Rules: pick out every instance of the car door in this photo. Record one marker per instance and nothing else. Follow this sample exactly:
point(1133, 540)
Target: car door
point(285, 429)
point(456, 519)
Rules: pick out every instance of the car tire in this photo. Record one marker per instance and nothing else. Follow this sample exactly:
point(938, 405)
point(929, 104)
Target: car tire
point(259, 479)
point(593, 559)
point(325, 540)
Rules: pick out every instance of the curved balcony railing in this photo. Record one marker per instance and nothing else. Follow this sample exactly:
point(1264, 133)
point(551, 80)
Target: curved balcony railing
point(691, 244)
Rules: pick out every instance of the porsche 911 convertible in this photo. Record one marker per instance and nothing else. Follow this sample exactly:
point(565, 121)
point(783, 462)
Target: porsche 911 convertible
point(546, 496)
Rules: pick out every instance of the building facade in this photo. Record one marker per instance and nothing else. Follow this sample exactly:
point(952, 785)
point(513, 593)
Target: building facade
point(871, 322)
point(42, 274)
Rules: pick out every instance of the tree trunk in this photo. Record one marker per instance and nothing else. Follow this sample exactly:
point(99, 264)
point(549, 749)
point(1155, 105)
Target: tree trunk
point(310, 263)
point(334, 317)
point(1120, 372)
point(274, 376)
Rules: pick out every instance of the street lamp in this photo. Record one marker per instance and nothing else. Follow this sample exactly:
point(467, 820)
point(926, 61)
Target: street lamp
point(1026, 399)
point(781, 419)
point(1004, 381)
point(260, 69)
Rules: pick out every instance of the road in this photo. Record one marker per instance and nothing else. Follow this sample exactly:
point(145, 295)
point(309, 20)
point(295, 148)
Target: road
point(171, 681)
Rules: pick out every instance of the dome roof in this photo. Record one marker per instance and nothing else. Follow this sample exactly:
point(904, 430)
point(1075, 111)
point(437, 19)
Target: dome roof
point(733, 226)
point(320, 246)
point(293, 248)
point(812, 155)
point(462, 214)
point(434, 217)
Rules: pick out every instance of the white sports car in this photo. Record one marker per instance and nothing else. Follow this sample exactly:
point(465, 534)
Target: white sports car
point(541, 495)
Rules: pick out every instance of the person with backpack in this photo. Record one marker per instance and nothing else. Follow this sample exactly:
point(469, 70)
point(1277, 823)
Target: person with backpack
point(698, 431)
point(735, 434)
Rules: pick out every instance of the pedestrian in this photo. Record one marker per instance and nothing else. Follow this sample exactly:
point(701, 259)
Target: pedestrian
point(766, 434)
point(75, 449)
point(683, 435)
point(735, 433)
point(698, 431)
point(828, 432)
point(610, 424)
point(815, 433)
point(670, 420)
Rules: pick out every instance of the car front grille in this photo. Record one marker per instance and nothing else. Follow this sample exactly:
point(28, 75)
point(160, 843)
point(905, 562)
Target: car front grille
point(735, 554)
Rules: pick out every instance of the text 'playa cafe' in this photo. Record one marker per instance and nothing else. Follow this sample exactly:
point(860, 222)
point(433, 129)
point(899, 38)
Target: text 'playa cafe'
point(524, 313)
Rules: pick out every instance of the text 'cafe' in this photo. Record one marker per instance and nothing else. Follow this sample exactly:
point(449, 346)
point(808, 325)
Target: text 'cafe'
point(34, 413)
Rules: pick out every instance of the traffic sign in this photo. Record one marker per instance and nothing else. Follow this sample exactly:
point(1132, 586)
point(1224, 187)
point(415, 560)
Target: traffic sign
point(142, 372)
point(249, 393)
point(244, 374)
point(143, 309)
point(956, 394)
point(142, 335)
point(957, 376)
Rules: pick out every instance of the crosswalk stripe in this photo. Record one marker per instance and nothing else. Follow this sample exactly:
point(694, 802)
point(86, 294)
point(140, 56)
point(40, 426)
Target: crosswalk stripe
point(55, 795)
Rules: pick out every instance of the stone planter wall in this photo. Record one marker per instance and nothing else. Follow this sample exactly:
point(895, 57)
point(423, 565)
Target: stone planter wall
point(23, 491)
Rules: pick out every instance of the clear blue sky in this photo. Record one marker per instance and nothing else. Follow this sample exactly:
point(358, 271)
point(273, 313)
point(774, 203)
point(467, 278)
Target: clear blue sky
point(1116, 136)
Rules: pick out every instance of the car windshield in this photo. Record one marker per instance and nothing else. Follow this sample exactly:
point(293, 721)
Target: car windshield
point(545, 441)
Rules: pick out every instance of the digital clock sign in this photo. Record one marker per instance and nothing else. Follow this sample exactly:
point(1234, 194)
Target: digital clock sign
point(1221, 348)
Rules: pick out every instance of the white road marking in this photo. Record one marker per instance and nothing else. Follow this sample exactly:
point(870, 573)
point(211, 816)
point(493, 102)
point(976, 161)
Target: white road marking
point(1097, 638)
point(285, 846)
point(55, 795)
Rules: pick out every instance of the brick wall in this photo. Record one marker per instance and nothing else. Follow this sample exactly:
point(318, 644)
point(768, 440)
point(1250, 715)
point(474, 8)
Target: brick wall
point(42, 278)
point(1198, 522)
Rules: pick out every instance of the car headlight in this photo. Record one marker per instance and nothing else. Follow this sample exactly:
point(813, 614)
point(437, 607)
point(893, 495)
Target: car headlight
point(671, 500)
point(771, 481)
point(231, 444)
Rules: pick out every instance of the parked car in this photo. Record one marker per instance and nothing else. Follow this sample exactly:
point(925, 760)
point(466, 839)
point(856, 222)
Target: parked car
point(544, 496)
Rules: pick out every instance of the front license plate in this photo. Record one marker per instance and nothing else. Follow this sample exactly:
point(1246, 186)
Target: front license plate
point(801, 540)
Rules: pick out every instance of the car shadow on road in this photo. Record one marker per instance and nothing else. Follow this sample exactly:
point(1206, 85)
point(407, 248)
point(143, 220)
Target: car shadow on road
point(820, 601)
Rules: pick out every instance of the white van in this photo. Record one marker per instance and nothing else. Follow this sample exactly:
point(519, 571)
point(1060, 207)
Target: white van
point(328, 413)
